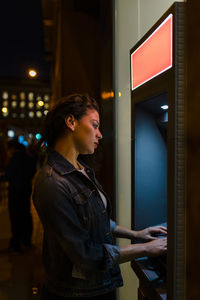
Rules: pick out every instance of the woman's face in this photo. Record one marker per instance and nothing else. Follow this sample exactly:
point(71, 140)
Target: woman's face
point(87, 133)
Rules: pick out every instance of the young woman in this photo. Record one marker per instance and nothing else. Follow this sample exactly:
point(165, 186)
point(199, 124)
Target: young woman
point(79, 256)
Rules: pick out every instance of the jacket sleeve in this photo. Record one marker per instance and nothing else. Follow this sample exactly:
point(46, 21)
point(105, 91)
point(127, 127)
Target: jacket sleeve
point(58, 215)
point(112, 225)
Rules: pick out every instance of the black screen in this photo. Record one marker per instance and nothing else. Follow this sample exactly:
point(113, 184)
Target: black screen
point(150, 162)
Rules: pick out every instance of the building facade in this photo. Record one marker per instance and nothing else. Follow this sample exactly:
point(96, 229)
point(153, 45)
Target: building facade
point(23, 105)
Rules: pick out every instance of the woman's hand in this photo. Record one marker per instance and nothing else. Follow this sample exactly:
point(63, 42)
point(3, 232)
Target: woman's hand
point(151, 233)
point(153, 248)
point(156, 247)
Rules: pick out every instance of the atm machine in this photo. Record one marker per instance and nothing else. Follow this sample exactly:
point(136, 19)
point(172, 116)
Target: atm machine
point(158, 152)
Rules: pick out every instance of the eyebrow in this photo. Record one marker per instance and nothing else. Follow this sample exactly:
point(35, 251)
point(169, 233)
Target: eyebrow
point(95, 121)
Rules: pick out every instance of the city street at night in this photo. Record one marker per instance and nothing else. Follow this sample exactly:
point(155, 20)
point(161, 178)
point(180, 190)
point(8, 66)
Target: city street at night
point(21, 272)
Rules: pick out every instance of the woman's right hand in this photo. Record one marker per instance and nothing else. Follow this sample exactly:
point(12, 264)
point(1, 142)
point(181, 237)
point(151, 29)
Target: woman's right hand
point(156, 247)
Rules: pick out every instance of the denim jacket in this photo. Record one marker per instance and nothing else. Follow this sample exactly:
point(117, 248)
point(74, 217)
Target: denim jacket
point(78, 252)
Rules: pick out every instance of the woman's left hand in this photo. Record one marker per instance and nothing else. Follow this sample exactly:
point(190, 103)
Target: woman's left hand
point(150, 233)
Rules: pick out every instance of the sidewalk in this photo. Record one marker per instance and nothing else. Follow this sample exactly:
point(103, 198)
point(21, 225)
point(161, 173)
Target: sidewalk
point(21, 273)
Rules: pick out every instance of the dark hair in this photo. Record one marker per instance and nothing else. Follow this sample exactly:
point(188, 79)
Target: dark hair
point(54, 121)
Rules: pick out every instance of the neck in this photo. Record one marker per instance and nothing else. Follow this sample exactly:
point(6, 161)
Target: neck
point(65, 147)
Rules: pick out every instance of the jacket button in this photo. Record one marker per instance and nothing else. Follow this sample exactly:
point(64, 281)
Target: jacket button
point(88, 171)
point(103, 211)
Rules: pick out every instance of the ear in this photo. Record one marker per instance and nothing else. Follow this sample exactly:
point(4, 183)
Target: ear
point(70, 122)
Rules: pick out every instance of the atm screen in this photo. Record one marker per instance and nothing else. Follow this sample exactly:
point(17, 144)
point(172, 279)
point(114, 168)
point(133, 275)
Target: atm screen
point(150, 161)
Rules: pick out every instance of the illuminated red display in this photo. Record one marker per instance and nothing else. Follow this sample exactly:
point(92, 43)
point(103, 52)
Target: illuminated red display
point(153, 56)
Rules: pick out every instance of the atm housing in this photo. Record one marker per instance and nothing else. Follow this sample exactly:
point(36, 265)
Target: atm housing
point(158, 161)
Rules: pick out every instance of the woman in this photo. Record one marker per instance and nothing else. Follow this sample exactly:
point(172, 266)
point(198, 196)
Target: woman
point(79, 256)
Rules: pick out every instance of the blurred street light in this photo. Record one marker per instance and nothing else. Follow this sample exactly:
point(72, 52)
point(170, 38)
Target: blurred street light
point(40, 103)
point(32, 73)
point(4, 109)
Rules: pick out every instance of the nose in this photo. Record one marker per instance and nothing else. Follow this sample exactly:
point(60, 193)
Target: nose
point(99, 135)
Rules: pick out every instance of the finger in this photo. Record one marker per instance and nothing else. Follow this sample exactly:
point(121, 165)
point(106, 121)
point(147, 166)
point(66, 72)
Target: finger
point(163, 228)
point(163, 232)
point(160, 229)
point(152, 238)
point(153, 230)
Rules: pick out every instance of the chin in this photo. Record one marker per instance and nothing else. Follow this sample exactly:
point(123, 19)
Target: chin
point(91, 152)
point(87, 152)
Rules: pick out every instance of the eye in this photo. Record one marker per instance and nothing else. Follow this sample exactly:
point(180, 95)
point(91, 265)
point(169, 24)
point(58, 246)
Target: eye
point(95, 125)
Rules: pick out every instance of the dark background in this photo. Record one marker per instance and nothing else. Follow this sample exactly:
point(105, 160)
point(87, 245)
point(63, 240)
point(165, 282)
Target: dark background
point(21, 36)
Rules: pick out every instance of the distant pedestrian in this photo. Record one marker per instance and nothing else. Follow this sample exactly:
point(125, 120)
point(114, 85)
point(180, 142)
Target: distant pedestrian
point(19, 173)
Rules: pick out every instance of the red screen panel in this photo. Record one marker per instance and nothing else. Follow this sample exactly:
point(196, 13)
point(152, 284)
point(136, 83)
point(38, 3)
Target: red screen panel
point(154, 56)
